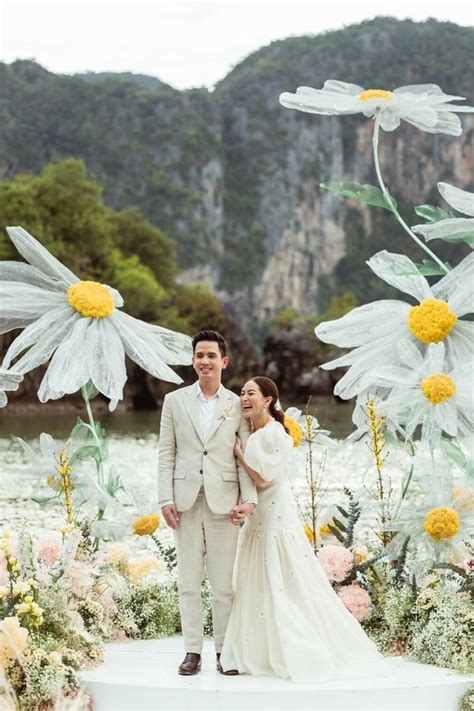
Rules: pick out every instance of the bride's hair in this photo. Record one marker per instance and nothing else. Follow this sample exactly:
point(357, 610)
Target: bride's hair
point(269, 389)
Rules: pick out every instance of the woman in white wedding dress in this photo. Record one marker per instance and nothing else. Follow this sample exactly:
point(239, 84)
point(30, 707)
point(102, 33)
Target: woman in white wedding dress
point(286, 619)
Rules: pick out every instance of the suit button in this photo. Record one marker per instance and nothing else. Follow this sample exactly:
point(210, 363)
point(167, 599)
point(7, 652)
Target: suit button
point(205, 451)
point(200, 471)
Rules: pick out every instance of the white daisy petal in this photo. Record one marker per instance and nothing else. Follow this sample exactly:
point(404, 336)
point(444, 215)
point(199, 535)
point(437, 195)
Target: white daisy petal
point(46, 392)
point(26, 302)
point(11, 324)
point(342, 87)
point(446, 417)
point(48, 446)
point(452, 229)
point(35, 332)
point(38, 256)
point(140, 346)
point(459, 344)
point(460, 200)
point(68, 370)
point(435, 358)
point(42, 350)
point(173, 348)
point(389, 120)
point(364, 324)
point(118, 300)
point(409, 354)
point(106, 358)
point(8, 382)
point(18, 271)
point(399, 271)
point(457, 287)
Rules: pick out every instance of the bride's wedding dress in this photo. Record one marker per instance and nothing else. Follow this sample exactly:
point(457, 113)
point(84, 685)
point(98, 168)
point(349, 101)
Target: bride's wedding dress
point(286, 619)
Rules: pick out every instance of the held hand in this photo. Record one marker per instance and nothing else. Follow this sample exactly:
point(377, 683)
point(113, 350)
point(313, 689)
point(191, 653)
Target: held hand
point(238, 513)
point(170, 513)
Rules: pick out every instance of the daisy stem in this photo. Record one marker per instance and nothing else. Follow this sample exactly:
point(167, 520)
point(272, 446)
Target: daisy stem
point(389, 199)
point(92, 427)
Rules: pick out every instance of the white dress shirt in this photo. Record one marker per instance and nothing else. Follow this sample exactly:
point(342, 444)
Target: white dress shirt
point(207, 409)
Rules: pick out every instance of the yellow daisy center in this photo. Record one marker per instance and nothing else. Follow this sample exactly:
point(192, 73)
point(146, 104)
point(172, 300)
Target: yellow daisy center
point(146, 525)
point(374, 94)
point(438, 388)
point(431, 320)
point(91, 299)
point(294, 429)
point(441, 522)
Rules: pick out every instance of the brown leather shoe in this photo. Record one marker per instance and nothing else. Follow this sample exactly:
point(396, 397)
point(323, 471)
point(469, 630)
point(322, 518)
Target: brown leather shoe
point(229, 672)
point(190, 665)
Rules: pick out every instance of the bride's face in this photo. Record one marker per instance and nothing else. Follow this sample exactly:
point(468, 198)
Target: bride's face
point(252, 400)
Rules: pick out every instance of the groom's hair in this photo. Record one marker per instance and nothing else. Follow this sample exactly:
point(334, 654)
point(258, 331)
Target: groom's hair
point(214, 336)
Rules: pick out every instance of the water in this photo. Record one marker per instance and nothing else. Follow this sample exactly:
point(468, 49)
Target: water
point(133, 448)
point(332, 415)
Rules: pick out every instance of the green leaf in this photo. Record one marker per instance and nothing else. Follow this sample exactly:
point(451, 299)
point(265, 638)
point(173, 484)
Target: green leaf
point(369, 194)
point(88, 451)
point(430, 268)
point(77, 427)
point(455, 454)
point(430, 213)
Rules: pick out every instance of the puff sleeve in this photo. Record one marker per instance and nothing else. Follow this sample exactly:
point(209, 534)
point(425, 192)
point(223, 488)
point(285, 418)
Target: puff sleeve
point(268, 451)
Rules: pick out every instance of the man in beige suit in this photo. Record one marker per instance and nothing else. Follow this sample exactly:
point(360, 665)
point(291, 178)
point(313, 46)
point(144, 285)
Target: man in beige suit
point(202, 491)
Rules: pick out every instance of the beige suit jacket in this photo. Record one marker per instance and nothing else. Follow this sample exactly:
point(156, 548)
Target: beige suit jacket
point(186, 462)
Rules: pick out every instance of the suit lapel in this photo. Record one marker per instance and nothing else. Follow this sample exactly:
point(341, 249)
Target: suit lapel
point(190, 402)
point(223, 408)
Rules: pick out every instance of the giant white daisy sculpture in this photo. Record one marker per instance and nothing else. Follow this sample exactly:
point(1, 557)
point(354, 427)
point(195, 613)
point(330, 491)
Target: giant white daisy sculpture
point(422, 391)
point(373, 330)
point(8, 381)
point(437, 517)
point(77, 326)
point(452, 229)
point(425, 106)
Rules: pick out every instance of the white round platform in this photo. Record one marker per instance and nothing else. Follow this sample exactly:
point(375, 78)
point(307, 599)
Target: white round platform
point(143, 675)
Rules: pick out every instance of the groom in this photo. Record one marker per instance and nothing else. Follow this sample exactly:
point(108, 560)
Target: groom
point(203, 492)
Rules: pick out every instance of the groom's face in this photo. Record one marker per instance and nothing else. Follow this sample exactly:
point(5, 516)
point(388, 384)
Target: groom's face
point(208, 361)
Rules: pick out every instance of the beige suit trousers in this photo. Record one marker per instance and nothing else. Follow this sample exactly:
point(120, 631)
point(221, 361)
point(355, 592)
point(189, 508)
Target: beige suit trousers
point(205, 541)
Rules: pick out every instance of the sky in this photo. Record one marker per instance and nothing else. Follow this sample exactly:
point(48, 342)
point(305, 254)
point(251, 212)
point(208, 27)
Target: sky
point(185, 44)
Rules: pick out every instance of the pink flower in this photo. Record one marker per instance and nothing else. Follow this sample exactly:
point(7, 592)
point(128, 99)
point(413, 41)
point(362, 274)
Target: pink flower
point(49, 550)
point(357, 600)
point(336, 561)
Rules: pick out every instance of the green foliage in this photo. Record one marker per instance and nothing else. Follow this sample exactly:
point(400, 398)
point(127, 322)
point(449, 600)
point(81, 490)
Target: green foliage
point(368, 194)
point(344, 530)
point(195, 306)
point(137, 284)
point(135, 236)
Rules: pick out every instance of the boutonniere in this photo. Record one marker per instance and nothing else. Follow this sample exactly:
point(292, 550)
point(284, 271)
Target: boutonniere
point(224, 415)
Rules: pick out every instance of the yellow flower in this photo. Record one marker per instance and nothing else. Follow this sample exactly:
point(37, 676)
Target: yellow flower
point(117, 552)
point(146, 525)
point(90, 299)
point(295, 431)
point(441, 522)
point(142, 567)
point(309, 532)
point(324, 529)
point(13, 640)
point(360, 553)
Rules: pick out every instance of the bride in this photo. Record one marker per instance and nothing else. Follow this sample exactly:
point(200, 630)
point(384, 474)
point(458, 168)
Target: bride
point(286, 619)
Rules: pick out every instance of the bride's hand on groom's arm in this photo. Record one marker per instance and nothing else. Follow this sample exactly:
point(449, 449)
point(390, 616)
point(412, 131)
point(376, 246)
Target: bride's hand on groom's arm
point(170, 514)
point(238, 453)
